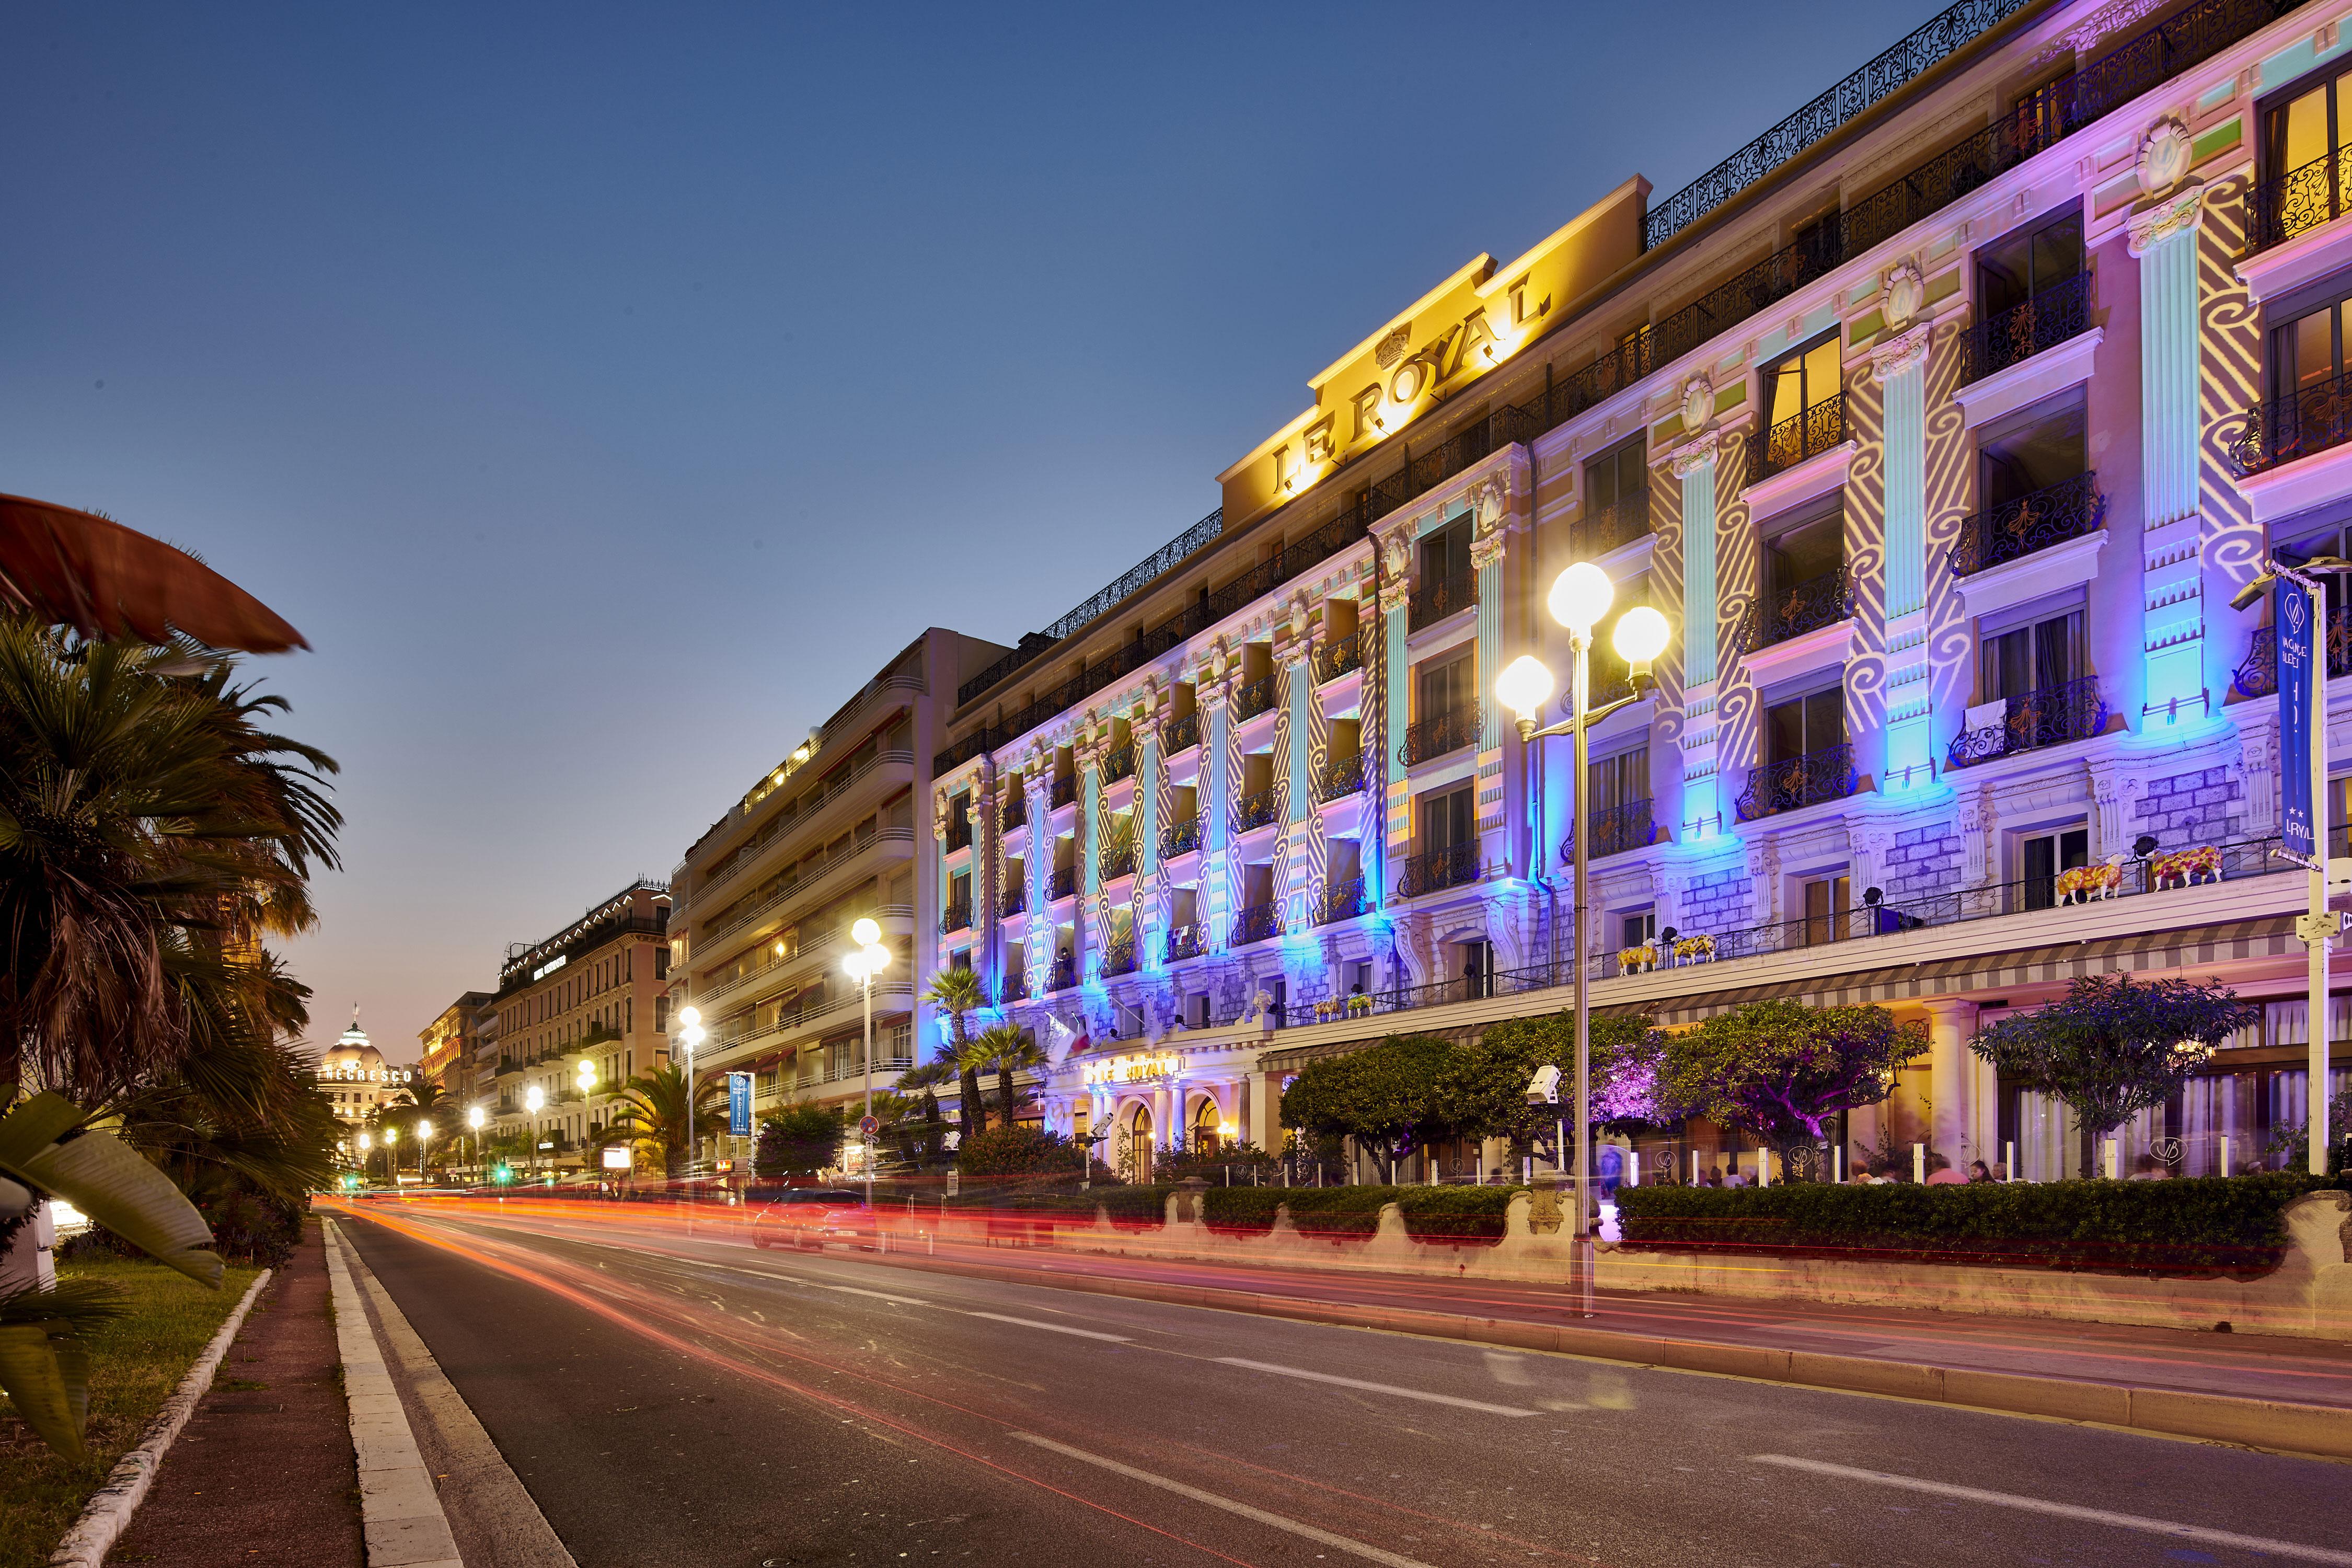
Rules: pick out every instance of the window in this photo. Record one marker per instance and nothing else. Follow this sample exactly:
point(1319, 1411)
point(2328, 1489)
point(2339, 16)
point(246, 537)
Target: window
point(2042, 657)
point(1617, 496)
point(2298, 137)
point(2029, 292)
point(1445, 555)
point(2307, 353)
point(1804, 725)
point(1620, 781)
point(1448, 819)
point(1804, 578)
point(2041, 857)
point(2041, 450)
point(1803, 415)
point(1827, 901)
point(1447, 688)
point(1638, 929)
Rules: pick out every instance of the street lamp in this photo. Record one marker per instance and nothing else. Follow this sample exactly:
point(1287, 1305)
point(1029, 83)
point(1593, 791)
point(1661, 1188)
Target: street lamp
point(474, 1120)
point(689, 1029)
point(423, 1138)
point(366, 1144)
point(2319, 924)
point(1578, 600)
point(391, 1153)
point(870, 959)
point(532, 1099)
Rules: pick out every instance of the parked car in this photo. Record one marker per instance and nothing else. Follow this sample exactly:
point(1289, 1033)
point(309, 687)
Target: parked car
point(809, 1217)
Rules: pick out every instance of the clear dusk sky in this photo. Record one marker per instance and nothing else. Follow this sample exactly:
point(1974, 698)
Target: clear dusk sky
point(607, 391)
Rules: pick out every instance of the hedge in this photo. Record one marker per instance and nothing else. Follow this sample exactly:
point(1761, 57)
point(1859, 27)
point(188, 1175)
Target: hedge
point(1431, 1214)
point(2195, 1225)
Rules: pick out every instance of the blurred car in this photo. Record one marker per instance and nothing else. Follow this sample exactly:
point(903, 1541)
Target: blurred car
point(809, 1217)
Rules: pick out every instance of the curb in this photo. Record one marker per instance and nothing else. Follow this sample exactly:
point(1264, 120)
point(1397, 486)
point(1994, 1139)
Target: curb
point(108, 1513)
point(2277, 1424)
point(401, 1516)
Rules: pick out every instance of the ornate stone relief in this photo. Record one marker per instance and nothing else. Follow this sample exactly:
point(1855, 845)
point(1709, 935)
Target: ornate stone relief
point(1694, 454)
point(2164, 157)
point(1698, 403)
point(2167, 218)
point(1906, 292)
point(1896, 355)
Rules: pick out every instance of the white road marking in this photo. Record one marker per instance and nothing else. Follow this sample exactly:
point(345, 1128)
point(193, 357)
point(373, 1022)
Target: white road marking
point(878, 1295)
point(1321, 1537)
point(1056, 1328)
point(2063, 1509)
point(1478, 1404)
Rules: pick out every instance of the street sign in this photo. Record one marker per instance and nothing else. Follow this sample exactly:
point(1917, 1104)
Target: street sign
point(738, 1105)
point(616, 1156)
point(2291, 614)
point(868, 1126)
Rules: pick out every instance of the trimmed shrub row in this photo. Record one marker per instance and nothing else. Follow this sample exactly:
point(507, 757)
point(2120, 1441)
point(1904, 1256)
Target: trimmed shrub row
point(1431, 1214)
point(2207, 1226)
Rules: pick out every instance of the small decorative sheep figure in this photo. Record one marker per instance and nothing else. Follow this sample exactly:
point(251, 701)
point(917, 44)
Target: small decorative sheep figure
point(2183, 867)
point(2081, 884)
point(1698, 949)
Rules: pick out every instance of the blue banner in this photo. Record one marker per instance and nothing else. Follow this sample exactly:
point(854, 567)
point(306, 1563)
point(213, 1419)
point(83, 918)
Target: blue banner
point(2291, 614)
point(739, 1104)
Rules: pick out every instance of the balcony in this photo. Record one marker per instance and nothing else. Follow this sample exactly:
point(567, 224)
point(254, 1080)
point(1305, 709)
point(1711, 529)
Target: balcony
point(1015, 901)
point(2258, 676)
point(2052, 716)
point(2019, 333)
point(2306, 421)
point(1118, 958)
point(1015, 987)
point(1437, 869)
point(1341, 901)
point(1066, 789)
point(959, 830)
point(1800, 437)
point(1253, 699)
point(1434, 738)
point(1016, 811)
point(1118, 857)
point(957, 916)
point(1340, 778)
point(1794, 781)
point(509, 1067)
point(1802, 608)
point(1254, 924)
point(1179, 838)
point(1615, 829)
point(1119, 765)
point(2014, 530)
point(1338, 658)
point(1434, 601)
point(2299, 201)
point(1606, 528)
point(1185, 941)
point(1065, 971)
point(1182, 733)
point(1257, 809)
point(1065, 883)
point(793, 879)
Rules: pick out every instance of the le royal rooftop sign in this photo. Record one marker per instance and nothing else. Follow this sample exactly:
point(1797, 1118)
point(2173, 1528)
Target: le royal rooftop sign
point(1460, 332)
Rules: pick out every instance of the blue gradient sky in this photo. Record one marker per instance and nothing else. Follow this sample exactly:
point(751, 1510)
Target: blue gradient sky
point(605, 392)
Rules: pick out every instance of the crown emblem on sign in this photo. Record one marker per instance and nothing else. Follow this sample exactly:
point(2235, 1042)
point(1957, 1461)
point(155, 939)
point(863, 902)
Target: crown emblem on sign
point(1393, 347)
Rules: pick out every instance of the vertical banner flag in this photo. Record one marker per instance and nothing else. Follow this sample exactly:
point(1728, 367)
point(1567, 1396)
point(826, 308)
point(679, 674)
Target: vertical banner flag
point(739, 1104)
point(2291, 614)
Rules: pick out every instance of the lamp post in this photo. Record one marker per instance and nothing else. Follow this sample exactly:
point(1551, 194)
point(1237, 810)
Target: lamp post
point(367, 1143)
point(532, 1099)
point(1578, 600)
point(870, 959)
point(391, 1153)
point(474, 1120)
point(2319, 923)
point(424, 1139)
point(690, 1032)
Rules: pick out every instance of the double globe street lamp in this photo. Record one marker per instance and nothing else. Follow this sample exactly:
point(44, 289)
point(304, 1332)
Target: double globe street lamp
point(1577, 600)
point(474, 1120)
point(691, 1034)
point(870, 959)
point(533, 1099)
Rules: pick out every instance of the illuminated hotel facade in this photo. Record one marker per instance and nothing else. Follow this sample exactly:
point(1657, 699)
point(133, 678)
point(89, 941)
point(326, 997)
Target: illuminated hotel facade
point(1942, 423)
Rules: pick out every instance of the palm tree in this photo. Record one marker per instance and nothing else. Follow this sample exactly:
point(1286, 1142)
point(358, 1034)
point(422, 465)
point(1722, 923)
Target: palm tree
point(956, 993)
point(1011, 1048)
point(650, 1111)
point(926, 1076)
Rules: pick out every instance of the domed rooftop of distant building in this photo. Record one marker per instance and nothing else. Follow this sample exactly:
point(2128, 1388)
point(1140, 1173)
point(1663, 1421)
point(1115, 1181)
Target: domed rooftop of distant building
point(353, 1057)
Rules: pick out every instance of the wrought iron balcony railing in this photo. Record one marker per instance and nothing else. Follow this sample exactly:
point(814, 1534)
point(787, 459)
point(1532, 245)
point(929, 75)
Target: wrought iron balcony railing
point(1615, 829)
point(1800, 437)
point(1064, 882)
point(957, 918)
point(1340, 778)
point(2308, 420)
point(1801, 608)
point(2014, 530)
point(2258, 676)
point(2072, 710)
point(1434, 601)
point(1794, 781)
point(1341, 900)
point(1015, 987)
point(1253, 924)
point(1184, 942)
point(2299, 200)
point(1118, 857)
point(1181, 837)
point(1066, 973)
point(2017, 334)
point(1016, 811)
point(1118, 958)
point(1621, 521)
point(1337, 657)
point(1015, 901)
point(1257, 808)
point(1255, 698)
point(1066, 789)
point(959, 831)
point(1435, 870)
point(1182, 733)
point(1436, 737)
point(1119, 765)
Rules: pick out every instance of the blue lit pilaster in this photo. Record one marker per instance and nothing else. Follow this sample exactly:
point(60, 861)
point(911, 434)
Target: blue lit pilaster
point(1694, 464)
point(1038, 868)
point(1901, 366)
point(1150, 811)
point(1490, 504)
point(2164, 238)
point(1396, 707)
point(1094, 910)
point(1215, 796)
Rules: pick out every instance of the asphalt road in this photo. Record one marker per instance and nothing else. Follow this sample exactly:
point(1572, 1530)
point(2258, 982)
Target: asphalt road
point(677, 1401)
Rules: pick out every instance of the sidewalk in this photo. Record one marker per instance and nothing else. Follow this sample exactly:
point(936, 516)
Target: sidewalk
point(263, 1473)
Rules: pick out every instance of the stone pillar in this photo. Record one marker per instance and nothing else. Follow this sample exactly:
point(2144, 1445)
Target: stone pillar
point(1901, 366)
point(1038, 780)
point(1151, 810)
point(1162, 1119)
point(1213, 689)
point(1094, 908)
point(1299, 859)
point(1951, 1083)
point(1505, 839)
point(1695, 464)
point(1264, 1127)
point(2164, 238)
point(1396, 706)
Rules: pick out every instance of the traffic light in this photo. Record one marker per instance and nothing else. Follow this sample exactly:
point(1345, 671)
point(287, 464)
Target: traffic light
point(503, 1174)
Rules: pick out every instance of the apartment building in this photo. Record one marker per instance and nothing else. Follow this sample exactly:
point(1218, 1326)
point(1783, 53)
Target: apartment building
point(771, 890)
point(1942, 421)
point(451, 1046)
point(593, 995)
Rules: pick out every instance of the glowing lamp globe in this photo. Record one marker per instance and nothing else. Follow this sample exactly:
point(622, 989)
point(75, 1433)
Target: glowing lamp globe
point(866, 934)
point(1524, 685)
point(423, 1131)
point(1581, 596)
point(390, 1134)
point(587, 1077)
point(689, 1016)
point(474, 1119)
point(877, 959)
point(367, 1141)
point(1641, 635)
point(533, 1097)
